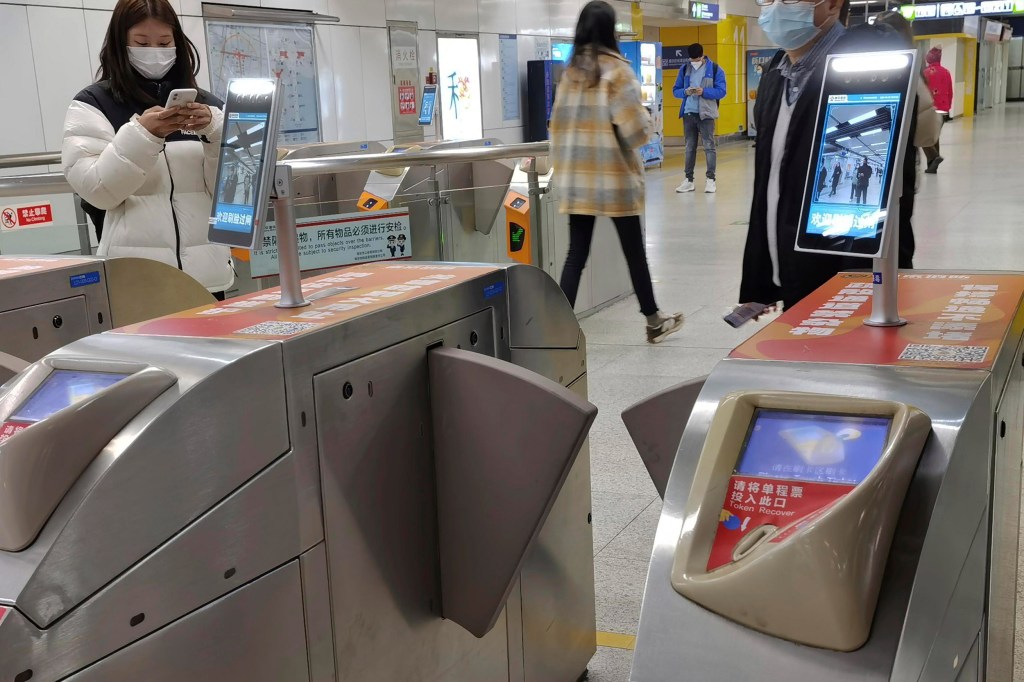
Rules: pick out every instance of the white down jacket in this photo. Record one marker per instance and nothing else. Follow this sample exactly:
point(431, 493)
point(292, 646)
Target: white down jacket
point(157, 193)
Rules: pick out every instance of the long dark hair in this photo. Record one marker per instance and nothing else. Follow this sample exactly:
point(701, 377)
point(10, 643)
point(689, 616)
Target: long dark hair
point(595, 32)
point(125, 82)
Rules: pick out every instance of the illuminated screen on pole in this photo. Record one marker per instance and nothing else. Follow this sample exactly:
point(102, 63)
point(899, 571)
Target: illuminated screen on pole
point(860, 138)
point(852, 164)
point(821, 448)
point(248, 155)
point(459, 96)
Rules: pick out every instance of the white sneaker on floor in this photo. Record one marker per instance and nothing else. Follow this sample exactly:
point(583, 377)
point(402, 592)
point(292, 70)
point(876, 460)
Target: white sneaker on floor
point(710, 187)
point(669, 325)
point(687, 186)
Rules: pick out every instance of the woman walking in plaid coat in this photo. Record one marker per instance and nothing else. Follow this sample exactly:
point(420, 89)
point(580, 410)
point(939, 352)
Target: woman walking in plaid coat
point(597, 125)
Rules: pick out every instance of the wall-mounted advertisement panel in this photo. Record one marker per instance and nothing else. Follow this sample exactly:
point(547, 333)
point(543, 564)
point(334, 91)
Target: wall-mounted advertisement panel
point(460, 96)
point(247, 50)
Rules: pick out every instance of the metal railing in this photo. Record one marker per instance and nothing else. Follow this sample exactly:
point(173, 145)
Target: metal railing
point(25, 160)
point(55, 183)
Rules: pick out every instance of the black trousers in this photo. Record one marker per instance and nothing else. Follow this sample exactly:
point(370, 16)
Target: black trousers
point(581, 234)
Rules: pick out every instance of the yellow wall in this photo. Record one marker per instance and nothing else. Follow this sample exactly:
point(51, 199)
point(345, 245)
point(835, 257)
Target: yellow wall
point(970, 75)
point(725, 44)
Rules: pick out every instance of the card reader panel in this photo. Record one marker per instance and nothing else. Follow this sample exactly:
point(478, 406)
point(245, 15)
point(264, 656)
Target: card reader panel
point(791, 514)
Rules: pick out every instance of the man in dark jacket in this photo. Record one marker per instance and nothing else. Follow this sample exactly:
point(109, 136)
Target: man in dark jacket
point(785, 113)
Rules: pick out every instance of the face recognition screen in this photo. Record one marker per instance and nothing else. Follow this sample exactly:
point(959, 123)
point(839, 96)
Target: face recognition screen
point(63, 388)
point(851, 166)
point(821, 448)
point(855, 155)
point(241, 160)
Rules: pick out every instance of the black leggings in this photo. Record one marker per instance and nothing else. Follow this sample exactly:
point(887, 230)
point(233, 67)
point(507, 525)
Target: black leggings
point(581, 233)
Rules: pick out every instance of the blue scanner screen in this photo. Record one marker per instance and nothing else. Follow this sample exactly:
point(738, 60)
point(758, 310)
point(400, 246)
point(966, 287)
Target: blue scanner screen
point(61, 389)
point(823, 448)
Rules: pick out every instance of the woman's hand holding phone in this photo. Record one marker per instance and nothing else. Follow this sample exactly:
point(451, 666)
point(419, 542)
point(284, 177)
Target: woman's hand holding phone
point(198, 116)
point(162, 122)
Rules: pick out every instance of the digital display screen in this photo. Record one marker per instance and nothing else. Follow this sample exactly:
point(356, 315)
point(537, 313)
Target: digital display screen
point(427, 105)
point(561, 52)
point(63, 388)
point(518, 203)
point(241, 159)
point(851, 166)
point(822, 448)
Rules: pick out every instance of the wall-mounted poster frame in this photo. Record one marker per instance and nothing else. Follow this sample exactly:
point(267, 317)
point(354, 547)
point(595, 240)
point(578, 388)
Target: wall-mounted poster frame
point(253, 49)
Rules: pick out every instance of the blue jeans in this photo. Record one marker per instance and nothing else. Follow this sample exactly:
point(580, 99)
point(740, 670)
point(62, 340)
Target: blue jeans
point(694, 125)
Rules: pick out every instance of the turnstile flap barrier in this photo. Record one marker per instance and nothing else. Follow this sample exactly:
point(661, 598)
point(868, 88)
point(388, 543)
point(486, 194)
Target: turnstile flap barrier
point(42, 460)
point(505, 439)
point(656, 426)
point(141, 289)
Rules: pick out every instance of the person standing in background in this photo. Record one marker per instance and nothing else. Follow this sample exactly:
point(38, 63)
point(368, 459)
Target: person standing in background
point(837, 175)
point(148, 172)
point(598, 123)
point(940, 82)
point(700, 85)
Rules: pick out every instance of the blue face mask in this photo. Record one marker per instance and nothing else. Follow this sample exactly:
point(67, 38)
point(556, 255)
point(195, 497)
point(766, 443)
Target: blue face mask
point(790, 26)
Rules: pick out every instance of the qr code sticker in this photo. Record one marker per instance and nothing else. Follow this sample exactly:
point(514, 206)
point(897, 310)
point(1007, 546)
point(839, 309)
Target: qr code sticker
point(278, 328)
point(921, 352)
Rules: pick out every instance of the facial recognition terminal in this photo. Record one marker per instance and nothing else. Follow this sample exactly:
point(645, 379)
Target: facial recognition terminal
point(245, 174)
point(860, 141)
point(792, 511)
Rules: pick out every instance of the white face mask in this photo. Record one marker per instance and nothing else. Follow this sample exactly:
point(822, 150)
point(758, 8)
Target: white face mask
point(697, 64)
point(152, 62)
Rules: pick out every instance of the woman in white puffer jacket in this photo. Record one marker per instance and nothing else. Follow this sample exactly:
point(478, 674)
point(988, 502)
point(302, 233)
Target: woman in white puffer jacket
point(146, 173)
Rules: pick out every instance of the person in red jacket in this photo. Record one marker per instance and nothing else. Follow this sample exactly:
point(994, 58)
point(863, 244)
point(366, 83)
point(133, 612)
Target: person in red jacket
point(940, 82)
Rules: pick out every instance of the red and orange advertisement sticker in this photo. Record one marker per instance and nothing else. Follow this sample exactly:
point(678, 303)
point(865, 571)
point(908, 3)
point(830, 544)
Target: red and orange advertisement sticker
point(955, 321)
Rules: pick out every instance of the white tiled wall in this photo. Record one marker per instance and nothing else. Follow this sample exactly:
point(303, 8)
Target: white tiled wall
point(55, 45)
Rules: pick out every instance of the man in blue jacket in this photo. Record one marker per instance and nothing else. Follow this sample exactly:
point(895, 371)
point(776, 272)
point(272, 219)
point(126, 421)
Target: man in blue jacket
point(700, 84)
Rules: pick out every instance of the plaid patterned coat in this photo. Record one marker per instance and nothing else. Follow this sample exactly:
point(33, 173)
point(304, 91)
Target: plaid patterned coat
point(596, 131)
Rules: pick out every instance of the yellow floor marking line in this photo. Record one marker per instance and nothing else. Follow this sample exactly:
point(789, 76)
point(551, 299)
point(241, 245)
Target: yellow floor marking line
point(616, 640)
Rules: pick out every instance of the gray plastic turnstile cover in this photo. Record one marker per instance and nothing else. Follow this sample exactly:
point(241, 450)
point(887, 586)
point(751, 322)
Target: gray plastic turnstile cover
point(656, 426)
point(505, 439)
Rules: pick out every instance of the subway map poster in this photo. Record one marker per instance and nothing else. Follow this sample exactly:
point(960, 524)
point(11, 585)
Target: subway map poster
point(265, 50)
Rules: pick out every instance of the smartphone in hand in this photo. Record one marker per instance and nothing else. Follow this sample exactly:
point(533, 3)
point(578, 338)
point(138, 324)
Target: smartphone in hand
point(742, 314)
point(180, 97)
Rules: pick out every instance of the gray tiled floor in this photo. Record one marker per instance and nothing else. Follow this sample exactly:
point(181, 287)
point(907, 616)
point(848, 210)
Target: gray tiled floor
point(970, 215)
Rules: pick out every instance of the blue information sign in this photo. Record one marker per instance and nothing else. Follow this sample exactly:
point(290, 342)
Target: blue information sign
point(427, 105)
point(674, 57)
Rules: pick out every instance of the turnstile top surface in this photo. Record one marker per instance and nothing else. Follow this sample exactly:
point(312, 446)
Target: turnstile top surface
point(20, 266)
point(335, 297)
point(955, 321)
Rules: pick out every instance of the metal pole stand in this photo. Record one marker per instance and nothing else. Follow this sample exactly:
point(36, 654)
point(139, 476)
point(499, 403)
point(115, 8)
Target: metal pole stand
point(289, 270)
point(885, 302)
point(536, 193)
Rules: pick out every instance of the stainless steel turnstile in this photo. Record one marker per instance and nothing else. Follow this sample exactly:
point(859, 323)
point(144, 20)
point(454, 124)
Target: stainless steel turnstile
point(946, 605)
point(380, 486)
point(49, 301)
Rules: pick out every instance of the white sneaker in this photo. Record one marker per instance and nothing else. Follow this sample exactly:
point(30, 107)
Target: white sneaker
point(687, 186)
point(668, 324)
point(710, 187)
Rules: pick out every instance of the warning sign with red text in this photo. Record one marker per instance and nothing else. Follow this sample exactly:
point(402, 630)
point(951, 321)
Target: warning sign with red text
point(28, 215)
point(753, 502)
point(407, 100)
point(11, 429)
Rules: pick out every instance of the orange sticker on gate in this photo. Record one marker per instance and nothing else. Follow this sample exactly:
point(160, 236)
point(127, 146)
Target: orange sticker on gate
point(954, 321)
point(335, 297)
